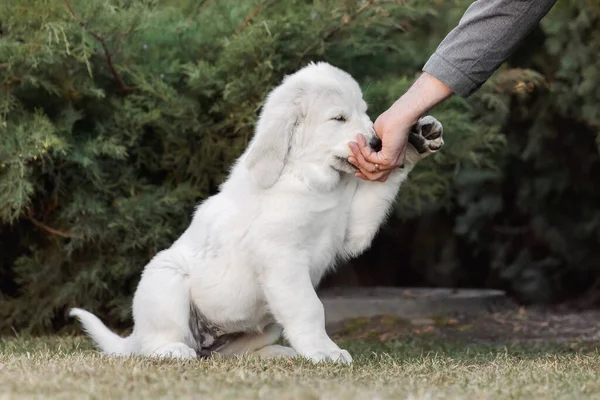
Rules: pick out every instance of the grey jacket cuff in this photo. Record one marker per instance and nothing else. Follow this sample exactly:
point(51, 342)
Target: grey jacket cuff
point(460, 83)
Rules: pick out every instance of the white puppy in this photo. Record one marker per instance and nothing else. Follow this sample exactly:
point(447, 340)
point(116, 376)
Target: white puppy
point(246, 268)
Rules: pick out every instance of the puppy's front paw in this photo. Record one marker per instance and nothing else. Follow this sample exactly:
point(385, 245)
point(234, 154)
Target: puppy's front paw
point(426, 136)
point(328, 355)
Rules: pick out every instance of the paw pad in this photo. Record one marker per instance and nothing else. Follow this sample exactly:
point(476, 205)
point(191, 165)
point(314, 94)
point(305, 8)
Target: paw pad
point(426, 135)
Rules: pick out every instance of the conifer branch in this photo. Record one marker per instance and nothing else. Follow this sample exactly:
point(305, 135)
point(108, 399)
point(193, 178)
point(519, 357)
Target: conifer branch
point(71, 11)
point(123, 86)
point(250, 18)
point(48, 229)
point(346, 20)
point(123, 34)
point(203, 6)
point(253, 15)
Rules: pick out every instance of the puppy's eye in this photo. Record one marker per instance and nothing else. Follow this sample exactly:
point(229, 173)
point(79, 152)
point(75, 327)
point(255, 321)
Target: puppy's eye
point(340, 118)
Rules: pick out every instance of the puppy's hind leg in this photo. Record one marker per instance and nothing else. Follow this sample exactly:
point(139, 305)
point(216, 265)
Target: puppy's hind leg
point(161, 311)
point(259, 345)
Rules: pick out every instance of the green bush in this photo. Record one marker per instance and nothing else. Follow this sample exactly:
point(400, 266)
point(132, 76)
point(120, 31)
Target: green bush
point(544, 236)
point(118, 116)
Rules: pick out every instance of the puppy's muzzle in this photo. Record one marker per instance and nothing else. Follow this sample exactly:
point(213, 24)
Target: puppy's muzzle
point(375, 144)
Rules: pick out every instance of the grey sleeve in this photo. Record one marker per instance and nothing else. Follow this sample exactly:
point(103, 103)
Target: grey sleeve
point(485, 37)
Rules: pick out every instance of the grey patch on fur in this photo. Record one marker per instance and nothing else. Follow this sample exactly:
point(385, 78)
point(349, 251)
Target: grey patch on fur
point(208, 338)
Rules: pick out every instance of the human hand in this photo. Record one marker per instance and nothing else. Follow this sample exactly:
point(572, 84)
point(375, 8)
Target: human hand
point(392, 128)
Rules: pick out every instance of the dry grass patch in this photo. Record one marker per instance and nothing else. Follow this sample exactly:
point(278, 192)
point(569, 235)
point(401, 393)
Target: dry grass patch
point(419, 368)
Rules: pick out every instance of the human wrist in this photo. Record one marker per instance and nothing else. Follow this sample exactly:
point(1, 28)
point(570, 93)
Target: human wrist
point(425, 93)
point(404, 112)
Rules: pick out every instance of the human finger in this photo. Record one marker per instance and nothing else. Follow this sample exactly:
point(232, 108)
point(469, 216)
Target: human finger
point(365, 166)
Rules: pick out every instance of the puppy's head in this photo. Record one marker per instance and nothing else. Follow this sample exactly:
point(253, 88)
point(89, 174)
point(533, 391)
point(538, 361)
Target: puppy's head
point(309, 119)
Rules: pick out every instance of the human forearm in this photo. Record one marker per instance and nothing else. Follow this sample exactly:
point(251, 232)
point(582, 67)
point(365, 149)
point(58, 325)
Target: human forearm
point(486, 35)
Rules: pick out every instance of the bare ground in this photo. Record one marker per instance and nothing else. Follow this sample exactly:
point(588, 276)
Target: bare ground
point(523, 325)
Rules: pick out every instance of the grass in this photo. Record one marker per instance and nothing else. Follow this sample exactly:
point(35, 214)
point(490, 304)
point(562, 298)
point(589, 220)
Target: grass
point(412, 368)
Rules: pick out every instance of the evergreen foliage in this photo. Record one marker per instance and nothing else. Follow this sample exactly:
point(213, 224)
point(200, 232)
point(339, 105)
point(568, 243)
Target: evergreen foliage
point(118, 116)
point(543, 235)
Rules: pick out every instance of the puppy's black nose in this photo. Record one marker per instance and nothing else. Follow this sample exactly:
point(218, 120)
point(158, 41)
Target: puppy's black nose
point(375, 144)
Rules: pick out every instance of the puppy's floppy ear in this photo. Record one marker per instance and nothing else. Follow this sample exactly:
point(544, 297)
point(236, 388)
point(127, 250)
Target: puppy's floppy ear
point(267, 152)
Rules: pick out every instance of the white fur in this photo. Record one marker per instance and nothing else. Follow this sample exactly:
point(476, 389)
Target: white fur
point(253, 253)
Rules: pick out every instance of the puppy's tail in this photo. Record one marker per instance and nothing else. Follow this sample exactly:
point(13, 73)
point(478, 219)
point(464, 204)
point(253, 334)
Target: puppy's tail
point(107, 341)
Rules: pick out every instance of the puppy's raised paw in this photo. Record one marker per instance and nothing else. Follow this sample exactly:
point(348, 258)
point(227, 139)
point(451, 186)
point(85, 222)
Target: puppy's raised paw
point(426, 136)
